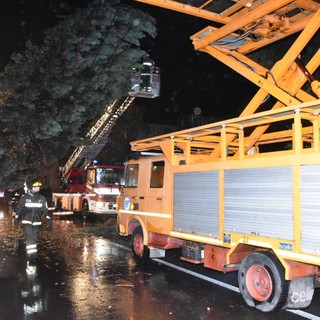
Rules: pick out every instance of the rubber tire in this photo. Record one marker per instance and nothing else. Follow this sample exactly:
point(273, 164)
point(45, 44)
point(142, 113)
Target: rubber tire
point(59, 205)
point(140, 251)
point(117, 228)
point(85, 209)
point(280, 287)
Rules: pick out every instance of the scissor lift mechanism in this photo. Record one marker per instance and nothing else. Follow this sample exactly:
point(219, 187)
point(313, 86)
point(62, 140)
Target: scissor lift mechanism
point(246, 26)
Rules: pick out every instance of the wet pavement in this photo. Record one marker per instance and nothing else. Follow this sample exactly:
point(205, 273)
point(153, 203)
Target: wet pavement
point(75, 276)
point(78, 275)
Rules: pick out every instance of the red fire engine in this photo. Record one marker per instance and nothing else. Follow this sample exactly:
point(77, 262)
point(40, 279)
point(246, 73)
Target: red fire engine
point(91, 188)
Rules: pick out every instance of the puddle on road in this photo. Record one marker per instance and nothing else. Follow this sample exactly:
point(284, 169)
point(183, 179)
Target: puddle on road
point(76, 275)
point(80, 276)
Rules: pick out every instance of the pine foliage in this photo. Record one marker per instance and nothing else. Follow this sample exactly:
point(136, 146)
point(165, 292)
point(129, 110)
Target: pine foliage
point(52, 91)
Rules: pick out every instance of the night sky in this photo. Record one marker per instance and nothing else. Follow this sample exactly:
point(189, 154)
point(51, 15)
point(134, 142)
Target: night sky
point(189, 79)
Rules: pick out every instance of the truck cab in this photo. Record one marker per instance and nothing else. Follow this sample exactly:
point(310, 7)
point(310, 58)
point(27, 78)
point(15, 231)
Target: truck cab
point(95, 191)
point(145, 192)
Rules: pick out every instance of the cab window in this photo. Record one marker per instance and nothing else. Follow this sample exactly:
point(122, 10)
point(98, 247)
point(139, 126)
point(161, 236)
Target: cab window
point(131, 175)
point(157, 174)
point(91, 176)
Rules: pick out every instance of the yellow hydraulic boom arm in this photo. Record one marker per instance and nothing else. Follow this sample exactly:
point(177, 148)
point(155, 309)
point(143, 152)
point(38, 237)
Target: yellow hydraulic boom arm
point(242, 27)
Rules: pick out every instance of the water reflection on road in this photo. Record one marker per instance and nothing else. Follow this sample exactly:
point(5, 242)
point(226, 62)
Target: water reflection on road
point(78, 275)
point(97, 274)
point(95, 268)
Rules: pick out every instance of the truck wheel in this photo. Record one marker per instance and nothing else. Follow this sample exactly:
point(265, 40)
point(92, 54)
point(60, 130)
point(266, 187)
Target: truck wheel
point(59, 205)
point(262, 282)
point(140, 251)
point(85, 209)
point(117, 228)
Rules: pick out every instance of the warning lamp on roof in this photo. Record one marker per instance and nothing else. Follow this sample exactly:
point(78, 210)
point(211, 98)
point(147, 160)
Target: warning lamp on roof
point(146, 81)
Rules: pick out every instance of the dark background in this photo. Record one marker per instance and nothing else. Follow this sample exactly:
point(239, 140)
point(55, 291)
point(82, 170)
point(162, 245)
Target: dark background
point(189, 79)
point(192, 79)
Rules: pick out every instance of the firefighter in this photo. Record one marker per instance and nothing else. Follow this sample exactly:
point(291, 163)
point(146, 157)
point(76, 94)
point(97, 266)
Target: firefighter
point(14, 202)
point(31, 208)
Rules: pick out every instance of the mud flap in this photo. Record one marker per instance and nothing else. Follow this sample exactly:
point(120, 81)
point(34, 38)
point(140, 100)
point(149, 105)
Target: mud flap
point(300, 292)
point(157, 253)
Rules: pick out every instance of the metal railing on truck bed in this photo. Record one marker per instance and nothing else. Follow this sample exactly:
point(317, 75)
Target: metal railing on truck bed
point(300, 133)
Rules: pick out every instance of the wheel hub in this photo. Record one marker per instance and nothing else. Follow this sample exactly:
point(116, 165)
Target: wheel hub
point(259, 283)
point(138, 245)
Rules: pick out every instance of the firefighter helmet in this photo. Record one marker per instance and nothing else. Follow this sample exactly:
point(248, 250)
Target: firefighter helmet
point(36, 183)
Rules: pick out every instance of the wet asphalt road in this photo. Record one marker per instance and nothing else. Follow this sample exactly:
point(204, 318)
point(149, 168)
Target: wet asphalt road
point(78, 275)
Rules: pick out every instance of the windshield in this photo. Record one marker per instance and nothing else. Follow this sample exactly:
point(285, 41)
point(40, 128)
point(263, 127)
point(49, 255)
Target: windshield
point(131, 175)
point(109, 176)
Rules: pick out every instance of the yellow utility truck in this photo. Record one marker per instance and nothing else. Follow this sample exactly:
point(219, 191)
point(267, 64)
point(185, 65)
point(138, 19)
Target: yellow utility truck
point(240, 194)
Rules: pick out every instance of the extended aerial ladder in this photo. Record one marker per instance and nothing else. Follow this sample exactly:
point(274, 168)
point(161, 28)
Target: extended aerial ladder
point(247, 26)
point(145, 84)
point(98, 135)
point(90, 188)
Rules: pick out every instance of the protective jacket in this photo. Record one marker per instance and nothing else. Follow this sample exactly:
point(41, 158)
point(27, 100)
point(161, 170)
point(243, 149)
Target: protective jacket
point(31, 207)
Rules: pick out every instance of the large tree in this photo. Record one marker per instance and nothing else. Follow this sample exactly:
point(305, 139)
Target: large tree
point(50, 92)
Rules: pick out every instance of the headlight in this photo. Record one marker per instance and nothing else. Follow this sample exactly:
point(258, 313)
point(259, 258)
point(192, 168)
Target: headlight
point(102, 191)
point(99, 205)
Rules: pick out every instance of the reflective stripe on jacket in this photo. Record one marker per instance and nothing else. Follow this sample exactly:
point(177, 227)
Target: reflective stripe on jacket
point(31, 208)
